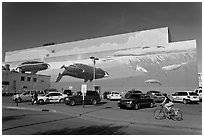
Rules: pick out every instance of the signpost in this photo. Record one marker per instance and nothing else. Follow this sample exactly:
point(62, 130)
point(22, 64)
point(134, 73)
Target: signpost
point(83, 91)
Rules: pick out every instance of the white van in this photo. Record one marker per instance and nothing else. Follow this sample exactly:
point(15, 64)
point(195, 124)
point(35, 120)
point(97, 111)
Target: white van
point(185, 97)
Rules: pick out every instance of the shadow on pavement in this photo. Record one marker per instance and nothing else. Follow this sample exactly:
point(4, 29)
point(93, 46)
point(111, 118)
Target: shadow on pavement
point(10, 118)
point(91, 130)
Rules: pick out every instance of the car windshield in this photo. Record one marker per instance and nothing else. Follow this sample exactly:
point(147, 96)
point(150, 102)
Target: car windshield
point(192, 93)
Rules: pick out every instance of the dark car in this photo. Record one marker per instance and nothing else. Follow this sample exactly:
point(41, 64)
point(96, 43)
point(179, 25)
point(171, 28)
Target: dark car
point(105, 94)
point(136, 101)
point(133, 91)
point(156, 96)
point(92, 97)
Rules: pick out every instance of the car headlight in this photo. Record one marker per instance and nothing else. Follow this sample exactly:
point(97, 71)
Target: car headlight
point(130, 102)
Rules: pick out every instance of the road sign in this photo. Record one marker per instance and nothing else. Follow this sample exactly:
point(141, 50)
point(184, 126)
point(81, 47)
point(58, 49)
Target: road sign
point(83, 91)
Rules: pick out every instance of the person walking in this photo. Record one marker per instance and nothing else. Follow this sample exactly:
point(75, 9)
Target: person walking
point(34, 97)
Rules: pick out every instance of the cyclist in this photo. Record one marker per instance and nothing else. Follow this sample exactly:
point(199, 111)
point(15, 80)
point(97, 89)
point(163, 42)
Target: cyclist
point(168, 103)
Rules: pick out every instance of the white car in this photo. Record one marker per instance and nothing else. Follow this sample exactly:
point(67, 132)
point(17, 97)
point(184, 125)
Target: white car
point(114, 95)
point(52, 97)
point(185, 96)
point(199, 92)
point(26, 95)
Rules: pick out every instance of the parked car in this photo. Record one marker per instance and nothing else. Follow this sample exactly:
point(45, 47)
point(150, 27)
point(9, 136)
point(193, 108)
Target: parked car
point(105, 94)
point(51, 97)
point(91, 97)
point(136, 101)
point(133, 91)
point(26, 95)
point(156, 96)
point(114, 95)
point(185, 97)
point(199, 92)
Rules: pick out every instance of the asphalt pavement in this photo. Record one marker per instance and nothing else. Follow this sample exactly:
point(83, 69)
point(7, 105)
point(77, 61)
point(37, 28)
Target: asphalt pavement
point(108, 112)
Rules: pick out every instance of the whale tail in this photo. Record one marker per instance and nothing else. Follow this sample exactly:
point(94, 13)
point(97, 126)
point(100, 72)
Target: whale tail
point(59, 78)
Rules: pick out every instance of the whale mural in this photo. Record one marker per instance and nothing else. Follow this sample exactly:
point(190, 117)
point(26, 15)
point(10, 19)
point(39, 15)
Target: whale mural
point(130, 59)
point(82, 71)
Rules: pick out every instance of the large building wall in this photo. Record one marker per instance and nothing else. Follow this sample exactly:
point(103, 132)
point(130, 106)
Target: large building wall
point(13, 82)
point(130, 59)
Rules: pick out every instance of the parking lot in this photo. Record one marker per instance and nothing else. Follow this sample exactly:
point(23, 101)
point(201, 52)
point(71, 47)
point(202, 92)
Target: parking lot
point(108, 111)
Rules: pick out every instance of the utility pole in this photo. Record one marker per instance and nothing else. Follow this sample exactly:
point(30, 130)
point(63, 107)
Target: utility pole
point(94, 69)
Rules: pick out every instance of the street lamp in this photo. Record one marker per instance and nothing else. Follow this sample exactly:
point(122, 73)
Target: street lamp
point(94, 61)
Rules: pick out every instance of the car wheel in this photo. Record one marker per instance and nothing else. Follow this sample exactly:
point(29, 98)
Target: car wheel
point(72, 102)
point(136, 106)
point(61, 101)
point(185, 101)
point(94, 102)
point(41, 102)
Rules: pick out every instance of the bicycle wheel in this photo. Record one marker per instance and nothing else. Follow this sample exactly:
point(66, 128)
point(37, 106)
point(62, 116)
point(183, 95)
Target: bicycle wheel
point(177, 115)
point(159, 114)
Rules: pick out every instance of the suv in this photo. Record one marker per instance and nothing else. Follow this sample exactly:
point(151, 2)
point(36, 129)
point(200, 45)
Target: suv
point(51, 97)
point(156, 96)
point(185, 96)
point(91, 97)
point(114, 95)
point(135, 101)
point(199, 92)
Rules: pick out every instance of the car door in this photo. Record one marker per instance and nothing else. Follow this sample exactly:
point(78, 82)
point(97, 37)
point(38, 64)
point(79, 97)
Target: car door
point(51, 97)
point(25, 96)
point(56, 97)
point(78, 99)
point(147, 100)
point(142, 100)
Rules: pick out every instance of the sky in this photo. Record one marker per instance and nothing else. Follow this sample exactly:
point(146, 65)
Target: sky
point(32, 24)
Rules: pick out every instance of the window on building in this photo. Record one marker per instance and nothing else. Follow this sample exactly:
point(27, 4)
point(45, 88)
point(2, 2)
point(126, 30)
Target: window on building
point(22, 78)
point(5, 83)
point(28, 78)
point(34, 79)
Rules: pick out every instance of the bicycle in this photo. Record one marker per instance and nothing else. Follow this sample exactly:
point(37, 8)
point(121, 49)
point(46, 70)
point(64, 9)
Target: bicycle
point(162, 113)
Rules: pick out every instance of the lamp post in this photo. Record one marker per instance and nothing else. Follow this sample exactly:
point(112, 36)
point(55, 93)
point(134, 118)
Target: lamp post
point(94, 61)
